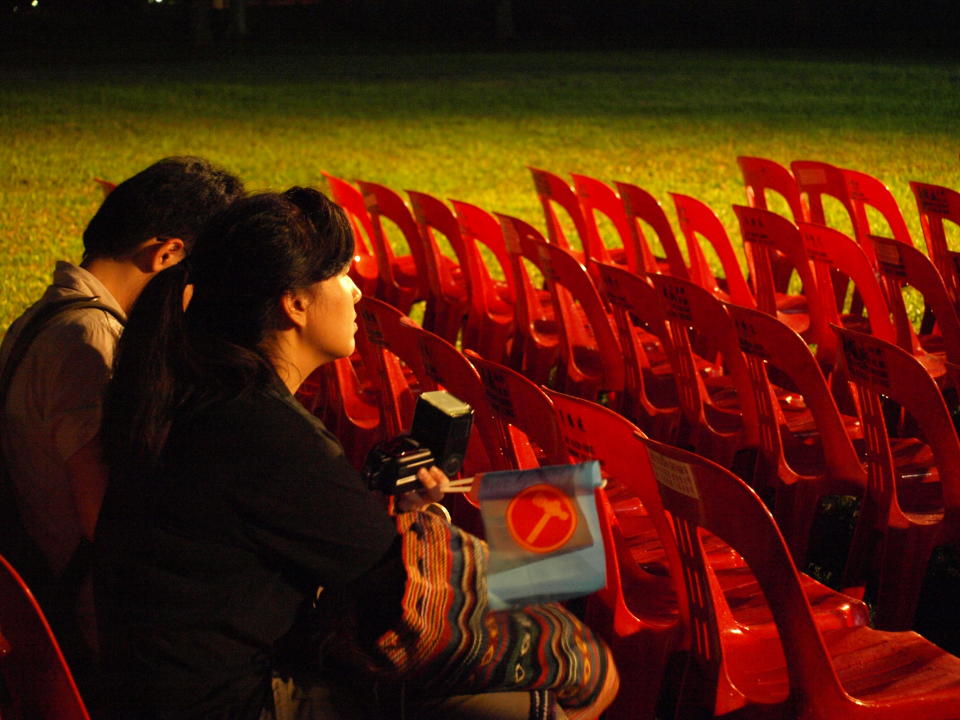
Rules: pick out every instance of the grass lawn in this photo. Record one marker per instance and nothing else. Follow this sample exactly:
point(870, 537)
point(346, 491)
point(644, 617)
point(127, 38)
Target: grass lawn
point(463, 126)
point(456, 125)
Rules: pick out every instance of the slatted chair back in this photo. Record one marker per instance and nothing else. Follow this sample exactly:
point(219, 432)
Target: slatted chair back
point(642, 207)
point(364, 269)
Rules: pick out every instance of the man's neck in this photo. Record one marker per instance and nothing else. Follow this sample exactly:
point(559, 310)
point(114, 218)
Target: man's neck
point(123, 279)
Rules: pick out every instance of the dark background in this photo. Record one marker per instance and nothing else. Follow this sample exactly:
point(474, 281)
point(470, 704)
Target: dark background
point(839, 26)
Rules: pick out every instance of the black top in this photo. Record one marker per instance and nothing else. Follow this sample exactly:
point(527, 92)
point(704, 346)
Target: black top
point(203, 572)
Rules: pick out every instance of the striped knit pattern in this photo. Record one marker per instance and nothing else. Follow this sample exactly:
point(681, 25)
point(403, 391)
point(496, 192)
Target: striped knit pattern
point(447, 639)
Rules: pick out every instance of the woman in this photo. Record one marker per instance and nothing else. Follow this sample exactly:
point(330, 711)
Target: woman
point(231, 510)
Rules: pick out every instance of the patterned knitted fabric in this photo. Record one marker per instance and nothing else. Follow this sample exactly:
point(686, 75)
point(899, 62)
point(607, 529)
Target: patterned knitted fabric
point(447, 639)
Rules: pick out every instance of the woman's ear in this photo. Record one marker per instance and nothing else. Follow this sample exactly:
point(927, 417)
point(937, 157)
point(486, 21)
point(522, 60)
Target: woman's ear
point(294, 304)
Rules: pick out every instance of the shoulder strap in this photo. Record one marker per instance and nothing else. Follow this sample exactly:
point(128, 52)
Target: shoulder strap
point(33, 327)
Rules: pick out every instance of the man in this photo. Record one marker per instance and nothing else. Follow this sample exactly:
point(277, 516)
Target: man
point(50, 420)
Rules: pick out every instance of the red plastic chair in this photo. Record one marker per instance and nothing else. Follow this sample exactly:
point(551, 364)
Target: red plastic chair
point(830, 250)
point(636, 613)
point(760, 177)
point(535, 348)
point(403, 279)
point(723, 427)
point(856, 191)
point(637, 610)
point(490, 319)
point(697, 220)
point(529, 431)
point(817, 180)
point(640, 206)
point(35, 681)
point(342, 395)
point(772, 241)
point(364, 268)
point(799, 464)
point(898, 265)
point(649, 396)
point(553, 190)
point(451, 279)
point(590, 357)
point(598, 197)
point(866, 191)
point(379, 326)
point(437, 364)
point(808, 672)
point(937, 204)
point(904, 516)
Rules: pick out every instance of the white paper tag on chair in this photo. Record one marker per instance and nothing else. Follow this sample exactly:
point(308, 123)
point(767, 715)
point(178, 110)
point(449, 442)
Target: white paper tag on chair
point(676, 475)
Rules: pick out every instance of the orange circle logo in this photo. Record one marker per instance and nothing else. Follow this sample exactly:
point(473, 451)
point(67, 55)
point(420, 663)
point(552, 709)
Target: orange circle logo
point(541, 518)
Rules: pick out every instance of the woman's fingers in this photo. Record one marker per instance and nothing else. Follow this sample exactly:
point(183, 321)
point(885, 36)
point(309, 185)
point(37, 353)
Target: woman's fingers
point(431, 490)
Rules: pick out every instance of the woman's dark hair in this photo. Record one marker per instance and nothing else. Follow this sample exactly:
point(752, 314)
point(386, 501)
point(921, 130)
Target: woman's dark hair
point(243, 263)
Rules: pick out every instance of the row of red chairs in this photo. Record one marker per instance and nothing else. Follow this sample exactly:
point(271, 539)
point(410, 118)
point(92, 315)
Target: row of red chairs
point(720, 622)
point(617, 284)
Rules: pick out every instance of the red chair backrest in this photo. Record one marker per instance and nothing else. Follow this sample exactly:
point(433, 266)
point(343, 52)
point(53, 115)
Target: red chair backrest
point(520, 404)
point(377, 344)
point(383, 203)
point(937, 204)
point(552, 189)
point(35, 674)
point(633, 298)
point(351, 200)
point(768, 342)
point(639, 205)
point(479, 226)
point(765, 232)
point(365, 270)
point(594, 432)
point(698, 220)
point(817, 180)
point(899, 264)
point(761, 175)
point(701, 495)
point(598, 197)
point(688, 306)
point(433, 216)
point(570, 286)
point(438, 364)
point(877, 367)
point(830, 249)
point(866, 191)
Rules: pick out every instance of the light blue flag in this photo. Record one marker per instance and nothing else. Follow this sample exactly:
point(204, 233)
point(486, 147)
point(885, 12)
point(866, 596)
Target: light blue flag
point(543, 532)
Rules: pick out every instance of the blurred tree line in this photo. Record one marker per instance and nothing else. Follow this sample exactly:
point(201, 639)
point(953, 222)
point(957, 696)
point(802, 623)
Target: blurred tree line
point(874, 24)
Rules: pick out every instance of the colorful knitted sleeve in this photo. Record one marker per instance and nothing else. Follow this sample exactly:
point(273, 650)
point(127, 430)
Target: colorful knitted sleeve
point(447, 639)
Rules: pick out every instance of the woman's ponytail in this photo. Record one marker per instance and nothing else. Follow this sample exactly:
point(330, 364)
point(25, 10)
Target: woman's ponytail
point(143, 391)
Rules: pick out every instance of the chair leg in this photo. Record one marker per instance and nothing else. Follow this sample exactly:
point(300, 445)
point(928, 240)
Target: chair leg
point(906, 555)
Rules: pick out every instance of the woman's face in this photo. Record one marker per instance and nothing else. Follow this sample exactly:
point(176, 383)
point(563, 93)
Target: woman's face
point(331, 317)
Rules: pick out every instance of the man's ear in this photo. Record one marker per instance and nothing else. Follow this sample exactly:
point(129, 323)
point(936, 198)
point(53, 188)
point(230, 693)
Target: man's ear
point(294, 304)
point(169, 252)
point(159, 253)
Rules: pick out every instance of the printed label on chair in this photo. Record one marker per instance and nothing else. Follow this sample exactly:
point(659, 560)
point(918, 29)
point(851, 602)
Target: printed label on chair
point(888, 255)
point(676, 475)
point(933, 200)
point(812, 176)
point(865, 362)
point(815, 247)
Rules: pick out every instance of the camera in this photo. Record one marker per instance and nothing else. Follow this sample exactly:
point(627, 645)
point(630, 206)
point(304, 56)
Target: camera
point(439, 436)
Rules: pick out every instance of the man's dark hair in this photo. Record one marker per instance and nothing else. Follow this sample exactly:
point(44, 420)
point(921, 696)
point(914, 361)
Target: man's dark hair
point(174, 197)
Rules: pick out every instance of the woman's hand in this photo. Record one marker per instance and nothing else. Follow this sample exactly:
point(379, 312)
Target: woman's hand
point(432, 482)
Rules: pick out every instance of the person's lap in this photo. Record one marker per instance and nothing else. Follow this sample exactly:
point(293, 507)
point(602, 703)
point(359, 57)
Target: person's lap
point(326, 699)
